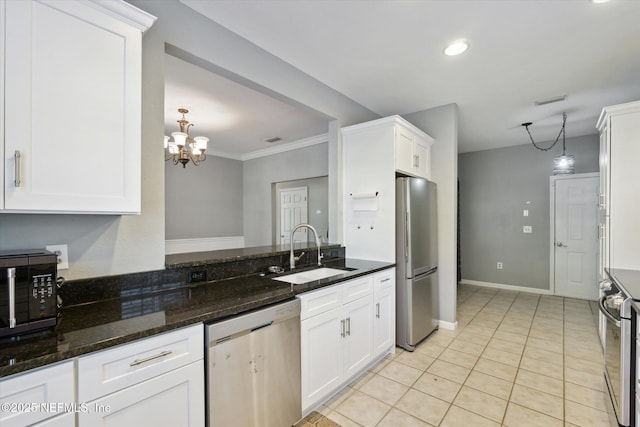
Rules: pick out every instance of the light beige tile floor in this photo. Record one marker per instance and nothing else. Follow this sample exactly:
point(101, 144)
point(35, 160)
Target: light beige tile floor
point(517, 359)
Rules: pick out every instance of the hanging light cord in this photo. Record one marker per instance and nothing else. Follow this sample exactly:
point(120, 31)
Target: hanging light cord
point(564, 121)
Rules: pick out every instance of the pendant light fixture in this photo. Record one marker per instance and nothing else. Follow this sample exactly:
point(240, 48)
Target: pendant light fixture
point(183, 149)
point(563, 164)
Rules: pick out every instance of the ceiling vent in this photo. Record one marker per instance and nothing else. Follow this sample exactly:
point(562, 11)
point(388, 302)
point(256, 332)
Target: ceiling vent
point(273, 139)
point(551, 100)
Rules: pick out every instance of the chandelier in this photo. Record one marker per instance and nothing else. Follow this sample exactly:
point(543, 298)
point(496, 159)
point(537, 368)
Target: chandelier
point(184, 149)
point(563, 164)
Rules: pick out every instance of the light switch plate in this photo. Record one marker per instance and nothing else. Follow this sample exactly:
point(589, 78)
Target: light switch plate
point(525, 212)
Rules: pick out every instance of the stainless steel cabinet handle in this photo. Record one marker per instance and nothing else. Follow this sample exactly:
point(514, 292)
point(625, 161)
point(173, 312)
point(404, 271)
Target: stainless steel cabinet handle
point(378, 310)
point(385, 280)
point(342, 333)
point(348, 325)
point(18, 157)
point(11, 273)
point(416, 161)
point(150, 358)
point(601, 231)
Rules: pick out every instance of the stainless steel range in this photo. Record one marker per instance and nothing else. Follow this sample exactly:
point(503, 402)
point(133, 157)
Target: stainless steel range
point(619, 350)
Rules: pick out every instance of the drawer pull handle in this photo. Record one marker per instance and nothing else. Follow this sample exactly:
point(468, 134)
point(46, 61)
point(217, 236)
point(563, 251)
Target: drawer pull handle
point(377, 310)
point(342, 333)
point(18, 158)
point(385, 280)
point(150, 358)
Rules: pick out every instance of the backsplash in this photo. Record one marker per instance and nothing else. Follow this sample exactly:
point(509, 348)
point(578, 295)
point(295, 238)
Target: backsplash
point(84, 291)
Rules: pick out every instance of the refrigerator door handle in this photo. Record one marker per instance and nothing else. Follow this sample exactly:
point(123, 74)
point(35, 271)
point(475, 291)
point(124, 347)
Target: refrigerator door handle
point(406, 236)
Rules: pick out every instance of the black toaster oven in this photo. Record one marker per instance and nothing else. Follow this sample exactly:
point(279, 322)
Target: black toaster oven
point(28, 299)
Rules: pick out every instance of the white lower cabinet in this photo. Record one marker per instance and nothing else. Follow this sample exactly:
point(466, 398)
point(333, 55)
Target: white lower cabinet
point(172, 399)
point(39, 396)
point(66, 420)
point(384, 306)
point(152, 381)
point(338, 328)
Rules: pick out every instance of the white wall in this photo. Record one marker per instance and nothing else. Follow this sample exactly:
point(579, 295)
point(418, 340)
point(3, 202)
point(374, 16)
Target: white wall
point(442, 124)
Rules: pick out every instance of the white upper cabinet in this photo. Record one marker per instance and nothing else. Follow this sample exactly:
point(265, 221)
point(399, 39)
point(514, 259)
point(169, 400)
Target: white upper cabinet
point(72, 106)
point(412, 150)
point(619, 127)
point(373, 154)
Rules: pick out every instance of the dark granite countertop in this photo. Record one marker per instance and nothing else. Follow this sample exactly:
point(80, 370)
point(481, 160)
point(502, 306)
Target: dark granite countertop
point(97, 325)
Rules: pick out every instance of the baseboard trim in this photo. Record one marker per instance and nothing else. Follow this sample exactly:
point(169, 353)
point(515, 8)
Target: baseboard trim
point(180, 246)
point(506, 287)
point(450, 326)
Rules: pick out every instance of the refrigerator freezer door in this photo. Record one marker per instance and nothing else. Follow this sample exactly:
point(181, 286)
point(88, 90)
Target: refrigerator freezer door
point(421, 315)
point(420, 242)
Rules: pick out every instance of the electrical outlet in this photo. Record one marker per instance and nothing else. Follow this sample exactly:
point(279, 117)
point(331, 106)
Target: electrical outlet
point(197, 276)
point(527, 229)
point(63, 255)
point(499, 265)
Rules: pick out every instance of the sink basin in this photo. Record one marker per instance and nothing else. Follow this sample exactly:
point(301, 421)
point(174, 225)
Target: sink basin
point(310, 275)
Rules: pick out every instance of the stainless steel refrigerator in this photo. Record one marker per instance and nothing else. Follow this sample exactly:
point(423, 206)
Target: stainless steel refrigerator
point(416, 261)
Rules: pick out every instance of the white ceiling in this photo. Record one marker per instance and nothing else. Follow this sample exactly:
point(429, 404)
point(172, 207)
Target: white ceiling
point(387, 56)
point(235, 118)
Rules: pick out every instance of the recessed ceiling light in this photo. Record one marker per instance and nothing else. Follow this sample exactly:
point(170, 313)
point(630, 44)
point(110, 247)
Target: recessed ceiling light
point(456, 48)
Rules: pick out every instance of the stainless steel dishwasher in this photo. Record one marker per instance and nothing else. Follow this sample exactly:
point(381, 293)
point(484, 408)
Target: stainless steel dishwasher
point(253, 368)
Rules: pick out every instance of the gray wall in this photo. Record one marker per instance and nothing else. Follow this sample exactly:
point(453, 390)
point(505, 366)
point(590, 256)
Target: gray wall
point(203, 201)
point(317, 203)
point(495, 187)
point(105, 245)
point(260, 173)
point(441, 123)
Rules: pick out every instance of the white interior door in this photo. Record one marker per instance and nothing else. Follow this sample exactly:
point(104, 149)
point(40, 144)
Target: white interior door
point(293, 211)
point(575, 244)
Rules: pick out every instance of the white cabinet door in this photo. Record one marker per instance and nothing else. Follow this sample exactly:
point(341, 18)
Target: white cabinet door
point(172, 399)
point(624, 190)
point(50, 385)
point(384, 307)
point(72, 116)
point(358, 342)
point(405, 142)
point(412, 153)
point(421, 158)
point(66, 420)
point(321, 340)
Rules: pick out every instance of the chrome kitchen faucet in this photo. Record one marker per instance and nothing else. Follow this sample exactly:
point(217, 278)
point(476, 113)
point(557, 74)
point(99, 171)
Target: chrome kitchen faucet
point(292, 257)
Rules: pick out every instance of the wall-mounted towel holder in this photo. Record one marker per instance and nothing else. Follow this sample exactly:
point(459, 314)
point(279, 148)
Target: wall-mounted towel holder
point(365, 201)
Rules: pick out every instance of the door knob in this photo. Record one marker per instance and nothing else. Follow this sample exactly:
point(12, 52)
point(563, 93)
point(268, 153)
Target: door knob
point(561, 245)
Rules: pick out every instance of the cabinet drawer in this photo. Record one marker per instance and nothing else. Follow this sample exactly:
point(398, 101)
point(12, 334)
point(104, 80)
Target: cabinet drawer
point(111, 370)
point(173, 399)
point(357, 288)
point(384, 279)
point(52, 384)
point(316, 302)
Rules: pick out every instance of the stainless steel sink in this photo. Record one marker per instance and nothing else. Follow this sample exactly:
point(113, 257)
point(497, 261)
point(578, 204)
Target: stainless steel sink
point(310, 275)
